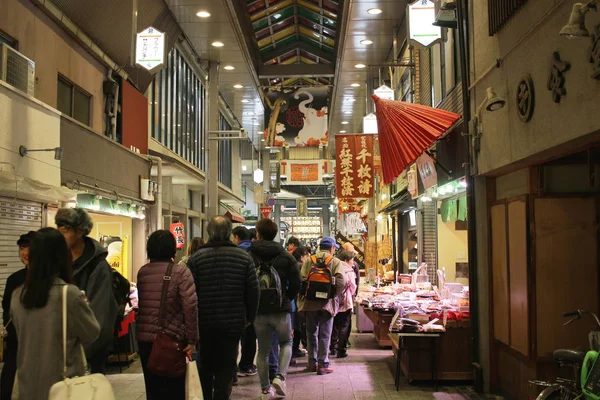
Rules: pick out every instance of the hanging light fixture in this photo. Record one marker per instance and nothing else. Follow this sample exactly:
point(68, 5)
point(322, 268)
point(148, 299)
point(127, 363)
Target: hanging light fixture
point(575, 28)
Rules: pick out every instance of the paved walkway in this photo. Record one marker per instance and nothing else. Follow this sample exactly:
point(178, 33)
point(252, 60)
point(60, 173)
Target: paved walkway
point(365, 374)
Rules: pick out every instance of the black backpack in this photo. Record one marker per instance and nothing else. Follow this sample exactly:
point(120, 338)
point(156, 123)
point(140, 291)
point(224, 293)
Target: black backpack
point(269, 283)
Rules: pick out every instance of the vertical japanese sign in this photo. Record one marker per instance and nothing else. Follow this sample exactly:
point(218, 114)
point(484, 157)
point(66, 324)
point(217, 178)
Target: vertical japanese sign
point(302, 207)
point(150, 49)
point(354, 172)
point(413, 182)
point(177, 231)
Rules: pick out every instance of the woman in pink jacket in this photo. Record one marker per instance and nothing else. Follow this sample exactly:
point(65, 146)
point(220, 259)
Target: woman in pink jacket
point(181, 316)
point(342, 322)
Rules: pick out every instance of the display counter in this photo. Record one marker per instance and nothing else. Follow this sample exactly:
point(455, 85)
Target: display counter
point(381, 325)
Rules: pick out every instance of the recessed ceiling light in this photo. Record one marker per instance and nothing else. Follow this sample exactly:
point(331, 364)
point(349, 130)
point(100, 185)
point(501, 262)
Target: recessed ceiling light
point(348, 112)
point(345, 122)
point(203, 14)
point(245, 101)
point(262, 140)
point(229, 67)
point(218, 44)
point(366, 41)
point(238, 86)
point(374, 11)
point(355, 85)
point(360, 66)
point(342, 131)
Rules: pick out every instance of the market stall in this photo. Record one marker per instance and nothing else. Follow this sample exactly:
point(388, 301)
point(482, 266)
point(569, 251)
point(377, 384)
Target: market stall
point(417, 306)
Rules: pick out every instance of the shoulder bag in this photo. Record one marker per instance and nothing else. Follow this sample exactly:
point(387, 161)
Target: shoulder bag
point(167, 357)
point(92, 387)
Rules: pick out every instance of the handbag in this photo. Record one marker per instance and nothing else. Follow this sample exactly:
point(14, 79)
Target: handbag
point(87, 387)
point(3, 336)
point(167, 357)
point(193, 388)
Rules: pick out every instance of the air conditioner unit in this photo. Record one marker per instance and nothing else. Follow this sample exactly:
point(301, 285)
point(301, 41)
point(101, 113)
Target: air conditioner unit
point(17, 70)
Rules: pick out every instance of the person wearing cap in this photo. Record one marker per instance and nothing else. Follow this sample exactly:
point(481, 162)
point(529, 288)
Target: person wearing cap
point(92, 274)
point(15, 280)
point(319, 314)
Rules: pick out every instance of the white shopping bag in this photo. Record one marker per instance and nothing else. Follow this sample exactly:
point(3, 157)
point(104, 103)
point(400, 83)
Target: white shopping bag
point(193, 388)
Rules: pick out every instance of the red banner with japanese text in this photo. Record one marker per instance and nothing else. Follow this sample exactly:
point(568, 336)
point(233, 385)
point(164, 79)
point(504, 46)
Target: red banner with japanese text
point(177, 231)
point(354, 166)
point(347, 206)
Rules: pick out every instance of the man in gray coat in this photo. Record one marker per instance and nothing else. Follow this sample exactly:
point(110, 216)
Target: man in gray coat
point(91, 274)
point(319, 313)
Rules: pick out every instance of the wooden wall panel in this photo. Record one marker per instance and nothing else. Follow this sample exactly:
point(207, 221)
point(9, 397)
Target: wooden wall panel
point(499, 273)
point(566, 270)
point(517, 261)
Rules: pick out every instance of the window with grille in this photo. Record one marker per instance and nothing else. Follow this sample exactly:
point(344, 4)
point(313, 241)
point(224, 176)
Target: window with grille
point(73, 101)
point(500, 11)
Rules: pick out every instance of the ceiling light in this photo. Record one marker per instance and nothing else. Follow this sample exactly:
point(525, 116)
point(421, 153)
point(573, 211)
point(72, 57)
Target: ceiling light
point(336, 201)
point(218, 44)
point(355, 85)
point(575, 28)
point(229, 67)
point(347, 112)
point(262, 140)
point(366, 41)
point(277, 16)
point(203, 14)
point(463, 183)
point(345, 122)
point(426, 199)
point(374, 11)
point(244, 168)
point(342, 131)
point(238, 86)
point(245, 101)
point(360, 66)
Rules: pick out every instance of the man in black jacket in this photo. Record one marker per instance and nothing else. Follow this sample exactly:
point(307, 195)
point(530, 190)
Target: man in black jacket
point(15, 280)
point(93, 275)
point(274, 316)
point(227, 288)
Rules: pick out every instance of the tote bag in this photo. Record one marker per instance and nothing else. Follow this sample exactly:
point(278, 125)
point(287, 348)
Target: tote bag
point(87, 387)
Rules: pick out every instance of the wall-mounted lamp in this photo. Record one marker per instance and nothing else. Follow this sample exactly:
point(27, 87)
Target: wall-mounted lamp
point(492, 102)
point(575, 28)
point(58, 151)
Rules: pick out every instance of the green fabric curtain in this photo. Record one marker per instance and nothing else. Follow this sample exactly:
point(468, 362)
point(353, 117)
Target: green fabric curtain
point(462, 208)
point(448, 211)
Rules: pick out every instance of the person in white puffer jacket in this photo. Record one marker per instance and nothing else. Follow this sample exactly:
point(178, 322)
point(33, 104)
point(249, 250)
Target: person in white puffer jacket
point(342, 322)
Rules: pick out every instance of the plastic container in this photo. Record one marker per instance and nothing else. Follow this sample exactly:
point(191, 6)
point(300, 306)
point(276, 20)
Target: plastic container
point(405, 279)
point(454, 287)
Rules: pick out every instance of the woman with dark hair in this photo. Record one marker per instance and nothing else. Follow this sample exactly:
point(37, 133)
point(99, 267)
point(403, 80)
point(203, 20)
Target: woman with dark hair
point(36, 311)
point(193, 247)
point(181, 316)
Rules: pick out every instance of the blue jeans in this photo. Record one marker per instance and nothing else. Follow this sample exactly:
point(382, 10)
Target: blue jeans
point(319, 325)
point(265, 325)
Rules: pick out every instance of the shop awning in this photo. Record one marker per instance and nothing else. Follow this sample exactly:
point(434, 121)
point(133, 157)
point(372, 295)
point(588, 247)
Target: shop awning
point(401, 203)
point(406, 130)
point(235, 217)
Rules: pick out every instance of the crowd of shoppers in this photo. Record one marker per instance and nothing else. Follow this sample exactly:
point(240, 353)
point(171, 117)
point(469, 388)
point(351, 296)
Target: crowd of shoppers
point(241, 285)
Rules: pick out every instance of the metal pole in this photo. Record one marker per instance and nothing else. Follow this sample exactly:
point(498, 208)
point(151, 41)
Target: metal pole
point(134, 15)
point(211, 194)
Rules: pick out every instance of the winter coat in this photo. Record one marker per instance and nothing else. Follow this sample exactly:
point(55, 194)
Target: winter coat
point(181, 313)
point(40, 352)
point(15, 280)
point(227, 288)
point(94, 276)
point(285, 265)
point(331, 306)
point(346, 298)
point(245, 245)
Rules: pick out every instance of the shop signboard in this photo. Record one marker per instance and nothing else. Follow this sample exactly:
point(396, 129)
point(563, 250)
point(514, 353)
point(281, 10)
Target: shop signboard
point(413, 181)
point(296, 116)
point(427, 171)
point(370, 124)
point(302, 207)
point(178, 232)
point(304, 172)
point(421, 16)
point(259, 194)
point(150, 49)
point(385, 92)
point(266, 211)
point(347, 206)
point(354, 166)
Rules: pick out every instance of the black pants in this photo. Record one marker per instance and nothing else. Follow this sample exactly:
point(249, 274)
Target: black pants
point(342, 324)
point(9, 370)
point(97, 363)
point(217, 358)
point(159, 387)
point(248, 348)
point(299, 331)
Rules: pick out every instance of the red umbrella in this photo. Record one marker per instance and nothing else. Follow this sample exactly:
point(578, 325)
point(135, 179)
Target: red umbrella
point(406, 130)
